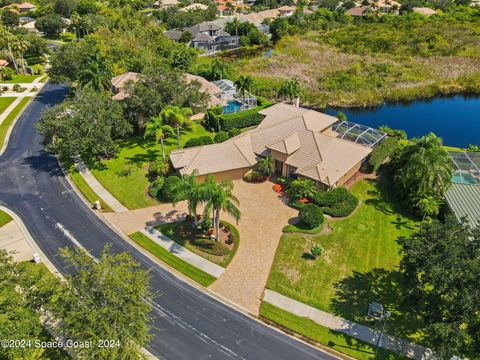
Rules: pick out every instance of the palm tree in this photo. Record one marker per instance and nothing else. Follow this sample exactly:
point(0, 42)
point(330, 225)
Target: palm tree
point(301, 188)
point(155, 128)
point(244, 85)
point(20, 46)
point(97, 74)
point(290, 89)
point(177, 117)
point(7, 39)
point(265, 166)
point(189, 189)
point(219, 197)
point(429, 206)
point(219, 69)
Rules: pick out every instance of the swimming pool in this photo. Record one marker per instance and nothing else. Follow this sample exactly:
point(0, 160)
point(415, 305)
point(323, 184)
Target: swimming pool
point(464, 178)
point(232, 106)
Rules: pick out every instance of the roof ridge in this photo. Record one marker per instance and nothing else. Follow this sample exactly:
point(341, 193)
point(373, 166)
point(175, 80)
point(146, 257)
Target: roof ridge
point(316, 143)
point(240, 150)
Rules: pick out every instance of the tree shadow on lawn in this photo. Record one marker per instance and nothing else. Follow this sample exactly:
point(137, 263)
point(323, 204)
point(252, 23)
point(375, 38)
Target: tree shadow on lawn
point(354, 293)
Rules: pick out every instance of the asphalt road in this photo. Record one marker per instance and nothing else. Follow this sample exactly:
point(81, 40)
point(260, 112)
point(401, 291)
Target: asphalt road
point(188, 324)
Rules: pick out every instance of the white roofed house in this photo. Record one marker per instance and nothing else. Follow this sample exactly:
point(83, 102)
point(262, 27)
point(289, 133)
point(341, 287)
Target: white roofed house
point(300, 141)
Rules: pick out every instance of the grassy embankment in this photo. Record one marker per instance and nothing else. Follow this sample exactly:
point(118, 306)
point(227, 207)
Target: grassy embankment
point(359, 265)
point(5, 125)
point(4, 218)
point(178, 264)
point(364, 63)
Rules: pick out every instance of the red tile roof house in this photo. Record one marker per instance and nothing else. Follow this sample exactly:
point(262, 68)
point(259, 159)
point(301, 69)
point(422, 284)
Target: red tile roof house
point(300, 141)
point(22, 8)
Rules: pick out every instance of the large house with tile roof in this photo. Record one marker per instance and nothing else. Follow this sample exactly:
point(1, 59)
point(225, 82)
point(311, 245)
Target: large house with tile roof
point(300, 141)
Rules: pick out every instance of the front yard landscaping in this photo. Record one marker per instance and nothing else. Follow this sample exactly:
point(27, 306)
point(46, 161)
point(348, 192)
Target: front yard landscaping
point(359, 262)
point(18, 79)
point(198, 242)
point(125, 176)
point(178, 264)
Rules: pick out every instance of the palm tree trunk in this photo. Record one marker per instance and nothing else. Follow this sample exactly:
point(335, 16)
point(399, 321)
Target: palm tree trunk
point(13, 58)
point(217, 224)
point(163, 148)
point(178, 137)
point(23, 63)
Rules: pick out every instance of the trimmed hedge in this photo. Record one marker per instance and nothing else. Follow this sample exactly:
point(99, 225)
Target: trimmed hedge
point(311, 215)
point(386, 149)
point(168, 190)
point(221, 136)
point(337, 202)
point(202, 140)
point(234, 132)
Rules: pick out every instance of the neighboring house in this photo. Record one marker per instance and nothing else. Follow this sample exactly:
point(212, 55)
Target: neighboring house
point(287, 10)
point(387, 6)
point(300, 141)
point(424, 11)
point(206, 86)
point(359, 11)
point(120, 82)
point(193, 7)
point(21, 8)
point(210, 38)
point(174, 35)
point(163, 4)
point(30, 27)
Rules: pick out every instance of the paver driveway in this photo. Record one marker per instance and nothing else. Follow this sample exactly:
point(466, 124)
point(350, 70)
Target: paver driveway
point(263, 217)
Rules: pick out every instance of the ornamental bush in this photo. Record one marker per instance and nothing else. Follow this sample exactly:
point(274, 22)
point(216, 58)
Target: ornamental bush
point(312, 215)
point(169, 189)
point(316, 250)
point(234, 132)
point(221, 136)
point(158, 167)
point(156, 186)
point(202, 140)
point(336, 202)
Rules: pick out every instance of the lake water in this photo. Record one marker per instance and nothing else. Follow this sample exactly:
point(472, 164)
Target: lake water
point(455, 119)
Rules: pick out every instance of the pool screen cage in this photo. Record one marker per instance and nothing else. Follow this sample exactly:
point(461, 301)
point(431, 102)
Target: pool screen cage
point(229, 92)
point(467, 167)
point(359, 134)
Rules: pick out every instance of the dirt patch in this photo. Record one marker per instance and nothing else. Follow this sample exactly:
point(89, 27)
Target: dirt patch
point(292, 274)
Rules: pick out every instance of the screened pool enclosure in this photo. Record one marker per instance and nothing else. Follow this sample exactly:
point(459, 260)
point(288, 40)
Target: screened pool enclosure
point(467, 167)
point(233, 101)
point(359, 134)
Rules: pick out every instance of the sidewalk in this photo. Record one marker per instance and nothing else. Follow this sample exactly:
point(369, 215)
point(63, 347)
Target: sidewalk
point(361, 332)
point(97, 187)
point(184, 254)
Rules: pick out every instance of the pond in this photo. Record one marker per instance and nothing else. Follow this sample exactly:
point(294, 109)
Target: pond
point(455, 119)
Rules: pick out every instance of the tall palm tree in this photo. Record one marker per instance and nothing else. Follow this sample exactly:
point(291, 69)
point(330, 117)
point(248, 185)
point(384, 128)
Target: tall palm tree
point(219, 69)
point(20, 46)
point(219, 197)
point(155, 128)
point(189, 189)
point(97, 74)
point(244, 85)
point(176, 117)
point(7, 39)
point(290, 89)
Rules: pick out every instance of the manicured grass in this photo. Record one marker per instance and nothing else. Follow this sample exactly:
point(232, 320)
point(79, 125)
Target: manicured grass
point(4, 218)
point(5, 125)
point(303, 228)
point(197, 242)
point(131, 190)
point(5, 102)
point(335, 340)
point(20, 79)
point(359, 264)
point(82, 185)
point(185, 268)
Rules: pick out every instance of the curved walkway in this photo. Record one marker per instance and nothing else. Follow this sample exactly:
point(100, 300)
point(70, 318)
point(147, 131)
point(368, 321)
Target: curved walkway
point(263, 217)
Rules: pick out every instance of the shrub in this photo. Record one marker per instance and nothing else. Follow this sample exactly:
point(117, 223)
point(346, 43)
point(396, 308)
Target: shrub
point(301, 188)
point(316, 250)
point(158, 167)
point(294, 203)
point(16, 87)
point(202, 140)
point(234, 132)
point(156, 186)
point(265, 167)
point(336, 202)
point(169, 189)
point(312, 215)
point(254, 176)
point(6, 73)
point(221, 136)
point(386, 149)
point(67, 36)
point(38, 69)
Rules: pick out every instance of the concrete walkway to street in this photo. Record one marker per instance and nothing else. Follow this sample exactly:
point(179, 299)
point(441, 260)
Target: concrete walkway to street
point(97, 187)
point(361, 332)
point(184, 254)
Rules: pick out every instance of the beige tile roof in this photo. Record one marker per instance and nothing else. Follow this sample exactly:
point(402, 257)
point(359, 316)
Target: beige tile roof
point(296, 132)
point(120, 81)
point(195, 6)
point(424, 11)
point(206, 86)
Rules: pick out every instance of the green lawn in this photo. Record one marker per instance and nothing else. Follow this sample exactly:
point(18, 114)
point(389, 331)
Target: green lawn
point(178, 264)
point(131, 190)
point(359, 264)
point(20, 79)
point(4, 218)
point(195, 241)
point(303, 228)
point(5, 103)
point(5, 125)
point(82, 185)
